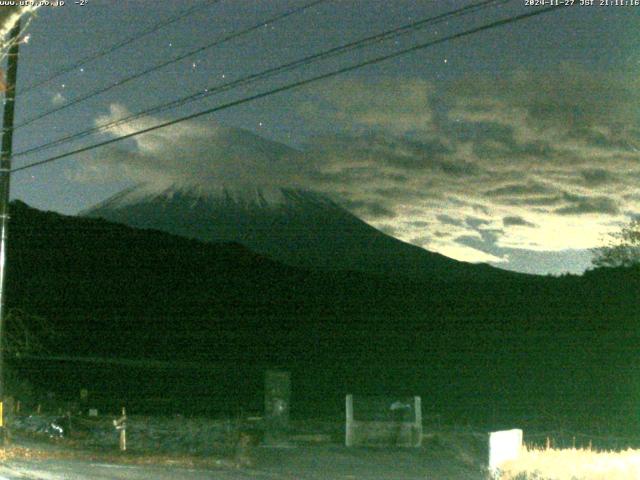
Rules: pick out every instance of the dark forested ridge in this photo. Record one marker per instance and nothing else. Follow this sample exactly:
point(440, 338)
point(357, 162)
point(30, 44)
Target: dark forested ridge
point(518, 344)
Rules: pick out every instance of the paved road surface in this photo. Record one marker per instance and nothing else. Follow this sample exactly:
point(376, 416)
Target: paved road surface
point(80, 470)
point(304, 463)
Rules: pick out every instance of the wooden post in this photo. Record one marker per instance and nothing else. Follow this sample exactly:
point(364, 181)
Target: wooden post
point(121, 425)
point(348, 436)
point(123, 431)
point(418, 421)
point(5, 176)
point(123, 440)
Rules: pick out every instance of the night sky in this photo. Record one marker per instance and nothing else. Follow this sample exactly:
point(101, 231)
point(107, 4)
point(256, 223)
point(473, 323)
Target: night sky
point(517, 146)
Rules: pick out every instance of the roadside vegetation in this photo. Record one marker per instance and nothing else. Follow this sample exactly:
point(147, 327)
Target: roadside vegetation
point(572, 464)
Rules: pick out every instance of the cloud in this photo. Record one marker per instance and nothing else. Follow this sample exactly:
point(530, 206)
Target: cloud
point(419, 224)
point(470, 254)
point(387, 229)
point(509, 152)
point(204, 155)
point(447, 220)
point(457, 168)
point(582, 206)
point(58, 99)
point(388, 105)
point(516, 221)
point(596, 108)
point(519, 190)
point(598, 176)
point(475, 222)
point(369, 209)
point(421, 241)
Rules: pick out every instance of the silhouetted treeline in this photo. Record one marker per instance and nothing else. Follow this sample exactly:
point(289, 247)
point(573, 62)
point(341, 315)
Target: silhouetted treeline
point(478, 349)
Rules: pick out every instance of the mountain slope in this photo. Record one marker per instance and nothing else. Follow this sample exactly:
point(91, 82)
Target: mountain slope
point(292, 226)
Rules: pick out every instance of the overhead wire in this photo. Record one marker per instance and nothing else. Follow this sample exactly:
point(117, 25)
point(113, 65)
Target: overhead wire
point(166, 63)
point(270, 72)
point(300, 83)
point(94, 56)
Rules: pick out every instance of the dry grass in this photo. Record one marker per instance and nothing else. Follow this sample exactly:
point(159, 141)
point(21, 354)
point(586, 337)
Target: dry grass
point(572, 464)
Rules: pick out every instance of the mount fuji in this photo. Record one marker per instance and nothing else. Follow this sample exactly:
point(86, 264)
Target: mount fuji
point(225, 184)
point(293, 226)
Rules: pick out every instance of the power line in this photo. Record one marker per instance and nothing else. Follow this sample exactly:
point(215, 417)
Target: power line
point(172, 61)
point(335, 51)
point(154, 28)
point(291, 86)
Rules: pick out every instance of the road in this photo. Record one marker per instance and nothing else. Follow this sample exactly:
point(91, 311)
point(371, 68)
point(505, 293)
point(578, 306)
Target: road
point(81, 470)
point(307, 463)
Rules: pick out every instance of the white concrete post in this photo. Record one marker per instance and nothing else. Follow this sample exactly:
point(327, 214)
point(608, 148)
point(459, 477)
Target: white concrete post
point(503, 446)
point(348, 438)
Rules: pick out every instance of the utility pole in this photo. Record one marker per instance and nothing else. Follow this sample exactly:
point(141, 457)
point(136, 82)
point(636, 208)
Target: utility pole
point(5, 177)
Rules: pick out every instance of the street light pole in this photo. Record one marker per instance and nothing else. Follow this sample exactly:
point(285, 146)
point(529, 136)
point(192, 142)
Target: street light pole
point(5, 177)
